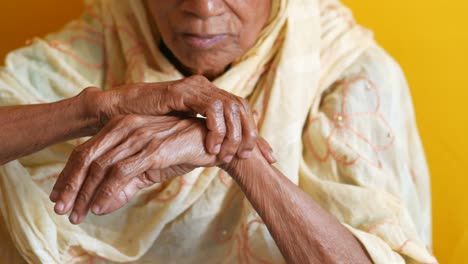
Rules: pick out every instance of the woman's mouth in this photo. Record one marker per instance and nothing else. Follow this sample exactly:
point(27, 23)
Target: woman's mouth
point(200, 41)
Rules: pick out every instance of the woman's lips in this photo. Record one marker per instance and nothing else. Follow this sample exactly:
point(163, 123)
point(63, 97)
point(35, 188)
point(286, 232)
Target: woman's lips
point(203, 41)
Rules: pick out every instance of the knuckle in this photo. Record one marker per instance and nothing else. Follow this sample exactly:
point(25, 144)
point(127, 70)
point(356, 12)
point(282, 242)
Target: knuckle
point(235, 107)
point(234, 138)
point(252, 135)
point(198, 78)
point(244, 103)
point(95, 179)
point(80, 155)
point(231, 151)
point(248, 146)
point(106, 192)
point(70, 187)
point(220, 131)
point(118, 170)
point(96, 174)
point(83, 197)
point(80, 159)
point(97, 167)
point(216, 105)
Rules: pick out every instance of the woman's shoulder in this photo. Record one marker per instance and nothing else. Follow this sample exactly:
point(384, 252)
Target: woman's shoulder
point(375, 69)
point(58, 65)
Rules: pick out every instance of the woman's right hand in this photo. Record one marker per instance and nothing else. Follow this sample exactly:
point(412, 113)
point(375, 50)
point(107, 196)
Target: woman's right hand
point(130, 153)
point(230, 124)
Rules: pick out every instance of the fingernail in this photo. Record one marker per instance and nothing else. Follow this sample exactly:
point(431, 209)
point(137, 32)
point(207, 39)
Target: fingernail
point(96, 209)
point(245, 154)
point(53, 195)
point(59, 207)
point(273, 158)
point(228, 159)
point(217, 149)
point(74, 218)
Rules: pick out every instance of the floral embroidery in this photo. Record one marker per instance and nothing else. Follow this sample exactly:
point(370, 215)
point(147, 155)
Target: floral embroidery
point(405, 244)
point(61, 45)
point(373, 229)
point(168, 190)
point(336, 134)
point(225, 178)
point(52, 176)
point(78, 255)
point(245, 234)
point(234, 235)
point(96, 37)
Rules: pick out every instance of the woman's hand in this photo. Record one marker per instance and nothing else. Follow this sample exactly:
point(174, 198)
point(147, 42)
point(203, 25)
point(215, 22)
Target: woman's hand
point(131, 152)
point(231, 128)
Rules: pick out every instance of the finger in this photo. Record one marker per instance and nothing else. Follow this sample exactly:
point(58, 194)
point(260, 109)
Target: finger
point(204, 100)
point(68, 184)
point(54, 195)
point(119, 176)
point(233, 134)
point(144, 180)
point(71, 179)
point(76, 157)
point(266, 150)
point(198, 94)
point(97, 172)
point(249, 132)
point(216, 126)
point(128, 192)
point(154, 156)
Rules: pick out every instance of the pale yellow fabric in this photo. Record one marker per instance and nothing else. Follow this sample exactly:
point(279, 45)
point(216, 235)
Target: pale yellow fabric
point(333, 105)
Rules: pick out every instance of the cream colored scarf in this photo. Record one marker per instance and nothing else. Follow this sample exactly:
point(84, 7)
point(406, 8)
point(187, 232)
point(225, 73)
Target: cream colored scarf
point(305, 47)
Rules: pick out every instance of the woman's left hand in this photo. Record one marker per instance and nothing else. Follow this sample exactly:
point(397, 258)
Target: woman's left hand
point(131, 153)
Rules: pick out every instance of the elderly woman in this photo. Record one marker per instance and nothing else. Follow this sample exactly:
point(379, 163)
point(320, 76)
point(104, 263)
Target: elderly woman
point(177, 169)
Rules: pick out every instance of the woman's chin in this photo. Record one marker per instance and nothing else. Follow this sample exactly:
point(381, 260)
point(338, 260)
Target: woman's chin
point(206, 65)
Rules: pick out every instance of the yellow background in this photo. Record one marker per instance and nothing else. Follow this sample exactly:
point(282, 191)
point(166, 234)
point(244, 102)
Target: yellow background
point(430, 40)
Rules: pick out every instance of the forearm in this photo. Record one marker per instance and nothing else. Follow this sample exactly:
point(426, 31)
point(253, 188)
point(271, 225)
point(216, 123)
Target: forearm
point(30, 128)
point(303, 231)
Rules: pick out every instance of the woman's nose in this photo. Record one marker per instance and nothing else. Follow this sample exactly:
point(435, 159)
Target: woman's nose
point(204, 9)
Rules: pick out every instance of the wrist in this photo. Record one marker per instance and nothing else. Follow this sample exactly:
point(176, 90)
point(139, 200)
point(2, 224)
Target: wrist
point(242, 169)
point(95, 107)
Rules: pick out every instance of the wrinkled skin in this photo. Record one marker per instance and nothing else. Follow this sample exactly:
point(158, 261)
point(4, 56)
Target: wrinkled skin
point(205, 36)
point(229, 120)
point(130, 153)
